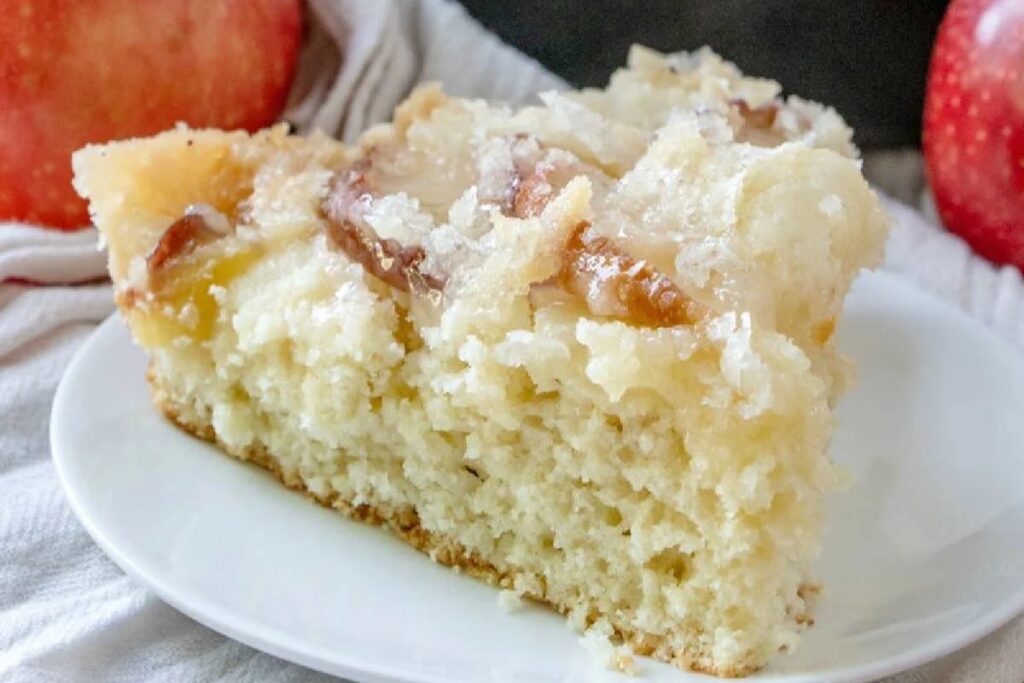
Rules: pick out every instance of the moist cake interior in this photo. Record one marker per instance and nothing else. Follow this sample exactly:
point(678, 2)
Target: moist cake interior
point(582, 349)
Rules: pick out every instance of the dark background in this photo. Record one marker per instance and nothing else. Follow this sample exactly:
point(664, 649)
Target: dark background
point(867, 58)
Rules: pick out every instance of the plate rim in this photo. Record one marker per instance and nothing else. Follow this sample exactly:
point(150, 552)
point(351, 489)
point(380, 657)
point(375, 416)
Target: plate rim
point(279, 644)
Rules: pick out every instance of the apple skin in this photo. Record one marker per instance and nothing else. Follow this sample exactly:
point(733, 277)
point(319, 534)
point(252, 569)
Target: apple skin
point(73, 72)
point(973, 134)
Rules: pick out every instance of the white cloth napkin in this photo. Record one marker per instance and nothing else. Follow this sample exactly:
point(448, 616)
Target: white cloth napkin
point(66, 612)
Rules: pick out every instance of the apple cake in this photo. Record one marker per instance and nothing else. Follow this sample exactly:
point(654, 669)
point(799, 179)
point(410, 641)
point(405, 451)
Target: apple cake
point(583, 350)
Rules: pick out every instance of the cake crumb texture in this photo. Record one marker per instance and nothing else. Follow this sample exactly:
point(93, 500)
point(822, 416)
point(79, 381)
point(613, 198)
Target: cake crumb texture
point(583, 350)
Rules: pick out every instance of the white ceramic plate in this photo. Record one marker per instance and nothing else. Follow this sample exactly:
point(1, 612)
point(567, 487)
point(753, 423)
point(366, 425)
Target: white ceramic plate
point(924, 554)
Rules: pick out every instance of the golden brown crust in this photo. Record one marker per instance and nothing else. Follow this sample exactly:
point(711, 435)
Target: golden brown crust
point(405, 524)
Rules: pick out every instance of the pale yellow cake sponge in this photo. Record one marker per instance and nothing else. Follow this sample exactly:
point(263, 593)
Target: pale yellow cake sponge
point(584, 349)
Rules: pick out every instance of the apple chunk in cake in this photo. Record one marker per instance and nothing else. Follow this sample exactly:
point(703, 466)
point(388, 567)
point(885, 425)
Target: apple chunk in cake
point(583, 349)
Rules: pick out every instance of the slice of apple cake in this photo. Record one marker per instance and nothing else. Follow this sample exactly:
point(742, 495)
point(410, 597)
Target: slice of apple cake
point(583, 350)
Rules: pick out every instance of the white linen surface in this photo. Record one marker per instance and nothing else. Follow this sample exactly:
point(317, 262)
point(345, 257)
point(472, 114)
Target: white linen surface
point(69, 614)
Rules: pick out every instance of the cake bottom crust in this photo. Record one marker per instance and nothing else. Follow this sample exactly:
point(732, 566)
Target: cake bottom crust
point(405, 524)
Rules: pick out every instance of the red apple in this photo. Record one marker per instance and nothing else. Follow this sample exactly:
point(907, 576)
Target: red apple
point(79, 71)
point(974, 126)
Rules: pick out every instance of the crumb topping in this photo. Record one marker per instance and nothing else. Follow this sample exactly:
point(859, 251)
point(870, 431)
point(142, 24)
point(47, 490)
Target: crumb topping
point(537, 176)
point(532, 193)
